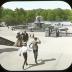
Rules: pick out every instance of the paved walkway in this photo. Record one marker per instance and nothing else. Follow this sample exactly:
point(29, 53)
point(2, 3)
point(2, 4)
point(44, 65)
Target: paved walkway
point(54, 53)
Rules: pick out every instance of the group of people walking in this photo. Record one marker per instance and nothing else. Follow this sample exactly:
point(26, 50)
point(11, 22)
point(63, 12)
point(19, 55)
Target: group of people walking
point(22, 41)
point(21, 38)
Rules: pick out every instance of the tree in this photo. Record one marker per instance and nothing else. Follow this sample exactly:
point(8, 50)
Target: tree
point(21, 16)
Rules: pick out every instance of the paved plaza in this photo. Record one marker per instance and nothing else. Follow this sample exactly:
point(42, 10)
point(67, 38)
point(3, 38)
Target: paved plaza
point(55, 53)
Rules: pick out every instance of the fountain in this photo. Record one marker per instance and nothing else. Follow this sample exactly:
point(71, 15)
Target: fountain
point(39, 21)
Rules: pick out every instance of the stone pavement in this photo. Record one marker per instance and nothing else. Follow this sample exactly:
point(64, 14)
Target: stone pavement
point(55, 53)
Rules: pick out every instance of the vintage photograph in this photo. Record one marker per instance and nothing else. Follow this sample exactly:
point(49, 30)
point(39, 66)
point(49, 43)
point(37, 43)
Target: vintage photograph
point(35, 35)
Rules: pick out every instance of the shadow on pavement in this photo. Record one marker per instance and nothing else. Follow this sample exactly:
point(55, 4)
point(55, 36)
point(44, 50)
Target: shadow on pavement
point(4, 41)
point(41, 62)
point(8, 50)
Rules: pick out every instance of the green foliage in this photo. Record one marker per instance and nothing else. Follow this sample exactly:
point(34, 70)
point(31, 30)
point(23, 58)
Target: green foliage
point(21, 16)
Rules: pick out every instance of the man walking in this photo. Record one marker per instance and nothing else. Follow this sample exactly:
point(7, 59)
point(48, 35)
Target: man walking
point(35, 43)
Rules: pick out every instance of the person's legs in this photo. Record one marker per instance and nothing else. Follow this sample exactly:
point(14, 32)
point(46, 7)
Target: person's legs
point(35, 55)
point(25, 57)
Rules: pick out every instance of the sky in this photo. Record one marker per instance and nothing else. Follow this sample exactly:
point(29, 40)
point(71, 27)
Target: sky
point(29, 5)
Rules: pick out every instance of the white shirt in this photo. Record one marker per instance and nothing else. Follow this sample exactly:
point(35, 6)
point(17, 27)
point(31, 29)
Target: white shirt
point(23, 50)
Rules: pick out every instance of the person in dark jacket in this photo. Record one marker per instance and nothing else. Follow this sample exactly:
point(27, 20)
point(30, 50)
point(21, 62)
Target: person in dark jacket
point(25, 36)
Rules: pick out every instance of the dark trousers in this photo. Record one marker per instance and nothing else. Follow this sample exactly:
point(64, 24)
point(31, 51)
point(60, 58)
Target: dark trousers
point(25, 57)
point(57, 34)
point(35, 54)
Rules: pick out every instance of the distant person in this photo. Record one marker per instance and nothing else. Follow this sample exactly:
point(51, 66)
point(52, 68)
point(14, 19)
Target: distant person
point(19, 40)
point(23, 51)
point(25, 36)
point(49, 32)
point(34, 44)
point(29, 35)
point(57, 33)
point(66, 33)
point(33, 36)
